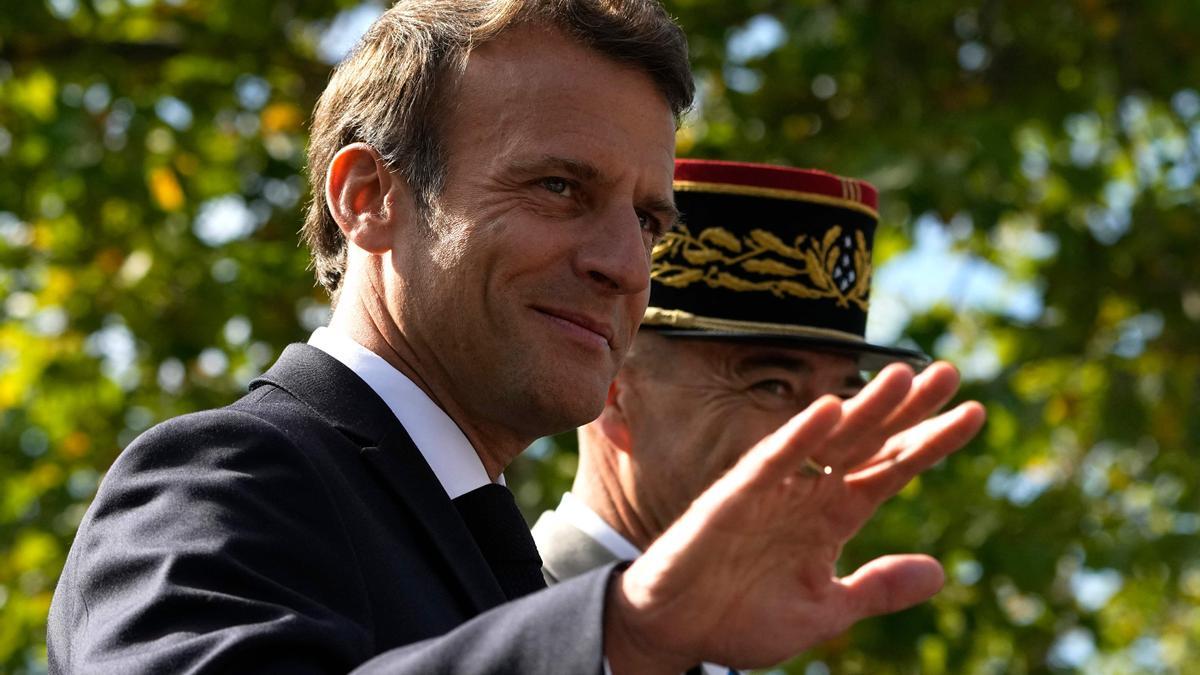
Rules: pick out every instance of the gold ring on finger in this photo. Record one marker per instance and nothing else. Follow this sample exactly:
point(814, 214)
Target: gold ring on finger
point(814, 469)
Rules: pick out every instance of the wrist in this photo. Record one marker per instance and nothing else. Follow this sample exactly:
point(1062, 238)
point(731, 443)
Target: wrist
point(629, 642)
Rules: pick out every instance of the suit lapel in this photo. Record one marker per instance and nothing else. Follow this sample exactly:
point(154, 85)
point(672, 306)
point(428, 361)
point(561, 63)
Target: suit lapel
point(337, 395)
point(403, 469)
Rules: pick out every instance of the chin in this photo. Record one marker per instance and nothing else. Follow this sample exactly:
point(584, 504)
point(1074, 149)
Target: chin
point(569, 405)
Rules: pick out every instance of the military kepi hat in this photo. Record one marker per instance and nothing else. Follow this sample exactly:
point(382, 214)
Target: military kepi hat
point(769, 254)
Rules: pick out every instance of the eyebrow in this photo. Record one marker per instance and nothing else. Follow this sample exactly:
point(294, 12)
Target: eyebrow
point(575, 168)
point(664, 210)
point(780, 361)
point(662, 207)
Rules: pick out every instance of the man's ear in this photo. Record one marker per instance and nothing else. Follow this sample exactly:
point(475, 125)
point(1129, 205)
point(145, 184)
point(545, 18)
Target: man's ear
point(614, 420)
point(367, 201)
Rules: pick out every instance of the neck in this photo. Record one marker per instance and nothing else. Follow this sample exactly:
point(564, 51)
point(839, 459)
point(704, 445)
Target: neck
point(598, 484)
point(365, 318)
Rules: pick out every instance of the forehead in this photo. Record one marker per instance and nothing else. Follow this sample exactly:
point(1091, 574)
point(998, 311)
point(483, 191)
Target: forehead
point(533, 91)
point(734, 357)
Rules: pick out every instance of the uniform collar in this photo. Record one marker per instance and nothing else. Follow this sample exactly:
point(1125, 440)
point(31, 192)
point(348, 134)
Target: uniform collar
point(582, 517)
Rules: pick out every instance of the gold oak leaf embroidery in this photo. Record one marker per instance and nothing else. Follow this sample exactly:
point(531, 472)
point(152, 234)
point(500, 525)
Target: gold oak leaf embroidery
point(717, 258)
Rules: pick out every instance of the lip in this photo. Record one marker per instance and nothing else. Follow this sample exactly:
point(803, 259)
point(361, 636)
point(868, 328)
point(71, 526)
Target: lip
point(579, 322)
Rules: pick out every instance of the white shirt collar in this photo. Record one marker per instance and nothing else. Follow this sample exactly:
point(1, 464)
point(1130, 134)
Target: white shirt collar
point(590, 523)
point(444, 446)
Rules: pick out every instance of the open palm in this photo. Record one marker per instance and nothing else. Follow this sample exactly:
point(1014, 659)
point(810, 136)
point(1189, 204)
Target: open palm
point(747, 576)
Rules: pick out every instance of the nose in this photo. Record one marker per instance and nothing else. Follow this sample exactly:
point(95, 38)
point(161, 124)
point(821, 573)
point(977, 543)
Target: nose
point(615, 258)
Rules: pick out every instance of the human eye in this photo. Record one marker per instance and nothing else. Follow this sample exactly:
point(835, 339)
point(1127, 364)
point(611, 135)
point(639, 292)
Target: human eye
point(650, 225)
point(774, 387)
point(557, 185)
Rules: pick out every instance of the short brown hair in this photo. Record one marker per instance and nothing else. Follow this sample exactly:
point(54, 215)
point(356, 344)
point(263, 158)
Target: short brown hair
point(387, 92)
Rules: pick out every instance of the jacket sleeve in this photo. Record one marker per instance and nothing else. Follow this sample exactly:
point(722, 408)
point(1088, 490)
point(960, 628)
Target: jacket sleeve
point(557, 630)
point(209, 547)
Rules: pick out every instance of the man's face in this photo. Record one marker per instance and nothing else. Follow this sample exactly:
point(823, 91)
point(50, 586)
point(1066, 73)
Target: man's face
point(693, 407)
point(529, 290)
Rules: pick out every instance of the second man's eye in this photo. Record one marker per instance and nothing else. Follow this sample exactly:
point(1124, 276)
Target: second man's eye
point(559, 186)
point(774, 387)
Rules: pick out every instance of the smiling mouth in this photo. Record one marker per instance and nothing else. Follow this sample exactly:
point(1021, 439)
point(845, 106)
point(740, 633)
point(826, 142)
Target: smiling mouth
point(580, 326)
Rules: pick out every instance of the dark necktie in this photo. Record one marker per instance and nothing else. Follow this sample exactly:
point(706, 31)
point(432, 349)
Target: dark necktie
point(491, 515)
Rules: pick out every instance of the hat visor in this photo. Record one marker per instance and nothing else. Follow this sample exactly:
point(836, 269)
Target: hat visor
point(870, 357)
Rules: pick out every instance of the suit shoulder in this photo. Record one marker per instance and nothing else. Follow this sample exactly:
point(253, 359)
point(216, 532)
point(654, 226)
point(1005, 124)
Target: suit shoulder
point(220, 437)
point(178, 541)
point(220, 456)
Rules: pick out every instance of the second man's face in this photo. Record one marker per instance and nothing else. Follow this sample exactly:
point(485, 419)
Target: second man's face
point(696, 406)
point(536, 274)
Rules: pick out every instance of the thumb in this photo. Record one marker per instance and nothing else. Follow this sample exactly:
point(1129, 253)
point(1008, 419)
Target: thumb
point(892, 583)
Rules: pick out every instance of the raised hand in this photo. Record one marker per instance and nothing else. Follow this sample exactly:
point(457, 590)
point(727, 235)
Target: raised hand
point(746, 577)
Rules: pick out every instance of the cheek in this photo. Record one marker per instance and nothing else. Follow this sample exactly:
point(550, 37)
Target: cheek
point(525, 255)
point(701, 451)
point(473, 264)
point(724, 453)
point(635, 309)
point(742, 432)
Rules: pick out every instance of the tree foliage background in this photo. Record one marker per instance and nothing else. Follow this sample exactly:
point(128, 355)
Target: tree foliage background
point(1037, 162)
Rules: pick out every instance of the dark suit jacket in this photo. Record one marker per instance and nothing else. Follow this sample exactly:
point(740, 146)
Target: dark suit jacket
point(298, 530)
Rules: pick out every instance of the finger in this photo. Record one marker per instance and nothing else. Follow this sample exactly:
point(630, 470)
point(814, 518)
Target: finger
point(863, 415)
point(928, 392)
point(918, 449)
point(895, 380)
point(781, 454)
point(931, 390)
point(890, 584)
